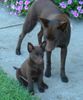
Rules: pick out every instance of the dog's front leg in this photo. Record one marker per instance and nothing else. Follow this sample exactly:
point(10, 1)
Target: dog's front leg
point(48, 66)
point(30, 86)
point(30, 82)
point(40, 80)
point(40, 34)
point(63, 60)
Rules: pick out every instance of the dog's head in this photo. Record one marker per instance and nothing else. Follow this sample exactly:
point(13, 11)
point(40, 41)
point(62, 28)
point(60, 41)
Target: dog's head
point(53, 31)
point(37, 52)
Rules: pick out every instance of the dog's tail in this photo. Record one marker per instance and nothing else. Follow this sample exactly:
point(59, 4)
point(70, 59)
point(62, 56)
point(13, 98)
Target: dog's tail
point(15, 68)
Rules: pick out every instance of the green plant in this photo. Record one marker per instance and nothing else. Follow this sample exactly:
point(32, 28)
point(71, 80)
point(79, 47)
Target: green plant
point(18, 7)
point(11, 89)
point(73, 8)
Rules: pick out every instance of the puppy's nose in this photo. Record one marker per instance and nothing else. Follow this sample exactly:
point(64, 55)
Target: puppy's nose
point(40, 60)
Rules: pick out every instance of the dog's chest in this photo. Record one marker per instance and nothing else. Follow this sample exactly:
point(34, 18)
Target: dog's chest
point(35, 72)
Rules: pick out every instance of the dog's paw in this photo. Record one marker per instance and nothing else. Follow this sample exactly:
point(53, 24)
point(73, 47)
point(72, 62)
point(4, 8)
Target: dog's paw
point(18, 52)
point(45, 86)
point(48, 74)
point(41, 89)
point(64, 79)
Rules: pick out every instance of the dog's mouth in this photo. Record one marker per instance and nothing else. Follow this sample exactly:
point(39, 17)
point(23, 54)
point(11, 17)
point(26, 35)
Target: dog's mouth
point(39, 61)
point(49, 49)
point(50, 46)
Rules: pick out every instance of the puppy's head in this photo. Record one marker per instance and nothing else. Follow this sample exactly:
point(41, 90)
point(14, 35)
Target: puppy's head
point(36, 52)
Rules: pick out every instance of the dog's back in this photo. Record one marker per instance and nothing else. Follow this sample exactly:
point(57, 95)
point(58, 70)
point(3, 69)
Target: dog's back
point(44, 8)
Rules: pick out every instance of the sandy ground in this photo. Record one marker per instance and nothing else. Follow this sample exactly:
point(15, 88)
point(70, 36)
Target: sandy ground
point(73, 90)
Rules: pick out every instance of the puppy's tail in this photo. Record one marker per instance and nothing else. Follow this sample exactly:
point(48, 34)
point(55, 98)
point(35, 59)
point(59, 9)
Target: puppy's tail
point(15, 68)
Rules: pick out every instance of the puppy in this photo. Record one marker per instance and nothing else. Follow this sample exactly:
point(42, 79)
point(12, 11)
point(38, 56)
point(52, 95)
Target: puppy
point(32, 68)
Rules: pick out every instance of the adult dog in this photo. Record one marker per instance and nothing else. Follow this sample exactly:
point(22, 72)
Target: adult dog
point(55, 26)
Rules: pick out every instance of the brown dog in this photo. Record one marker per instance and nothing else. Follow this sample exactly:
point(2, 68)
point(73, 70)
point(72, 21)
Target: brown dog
point(32, 68)
point(55, 27)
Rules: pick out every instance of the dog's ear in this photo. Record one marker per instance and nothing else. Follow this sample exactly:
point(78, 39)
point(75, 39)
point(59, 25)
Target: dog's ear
point(62, 26)
point(44, 21)
point(30, 47)
point(43, 45)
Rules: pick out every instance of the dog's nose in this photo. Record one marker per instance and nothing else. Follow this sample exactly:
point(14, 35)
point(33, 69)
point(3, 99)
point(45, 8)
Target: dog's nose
point(48, 48)
point(40, 60)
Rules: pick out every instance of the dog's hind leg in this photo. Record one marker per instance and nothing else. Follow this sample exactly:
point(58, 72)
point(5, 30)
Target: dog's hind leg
point(29, 24)
point(21, 79)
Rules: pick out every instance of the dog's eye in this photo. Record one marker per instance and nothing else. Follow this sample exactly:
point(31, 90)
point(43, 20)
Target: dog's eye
point(39, 54)
point(50, 37)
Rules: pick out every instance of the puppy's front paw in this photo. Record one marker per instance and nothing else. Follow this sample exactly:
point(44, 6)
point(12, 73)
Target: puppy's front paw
point(45, 86)
point(41, 89)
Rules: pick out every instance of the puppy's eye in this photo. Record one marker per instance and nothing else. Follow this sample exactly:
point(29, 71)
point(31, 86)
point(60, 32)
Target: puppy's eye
point(39, 54)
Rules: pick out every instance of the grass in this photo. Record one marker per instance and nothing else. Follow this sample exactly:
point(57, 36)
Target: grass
point(11, 89)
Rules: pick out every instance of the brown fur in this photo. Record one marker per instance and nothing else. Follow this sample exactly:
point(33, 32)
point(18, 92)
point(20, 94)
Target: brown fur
point(32, 68)
point(55, 27)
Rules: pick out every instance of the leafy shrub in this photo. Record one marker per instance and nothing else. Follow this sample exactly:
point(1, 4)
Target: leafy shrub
point(18, 7)
point(72, 7)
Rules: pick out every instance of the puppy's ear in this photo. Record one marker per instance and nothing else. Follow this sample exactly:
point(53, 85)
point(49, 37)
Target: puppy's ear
point(43, 45)
point(62, 26)
point(30, 47)
point(44, 21)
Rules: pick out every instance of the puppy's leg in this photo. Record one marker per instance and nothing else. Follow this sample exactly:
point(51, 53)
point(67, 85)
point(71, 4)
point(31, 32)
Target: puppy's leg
point(20, 79)
point(29, 24)
point(30, 86)
point(24, 81)
point(40, 80)
point(40, 34)
point(63, 60)
point(48, 66)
